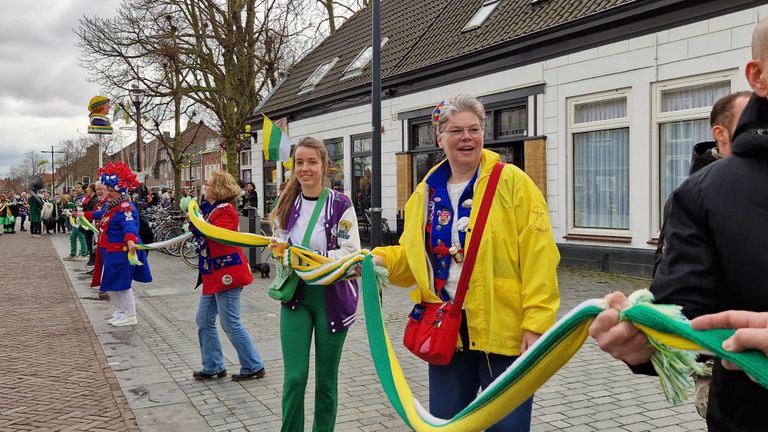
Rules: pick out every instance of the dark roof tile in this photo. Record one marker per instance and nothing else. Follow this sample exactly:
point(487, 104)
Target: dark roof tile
point(422, 34)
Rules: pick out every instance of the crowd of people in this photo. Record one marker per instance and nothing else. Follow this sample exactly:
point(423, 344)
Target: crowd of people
point(710, 260)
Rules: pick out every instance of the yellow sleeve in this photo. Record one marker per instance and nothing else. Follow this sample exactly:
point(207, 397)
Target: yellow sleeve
point(396, 262)
point(539, 257)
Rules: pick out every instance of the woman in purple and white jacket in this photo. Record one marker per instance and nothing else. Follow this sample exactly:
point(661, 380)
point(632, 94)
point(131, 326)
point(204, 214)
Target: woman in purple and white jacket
point(326, 311)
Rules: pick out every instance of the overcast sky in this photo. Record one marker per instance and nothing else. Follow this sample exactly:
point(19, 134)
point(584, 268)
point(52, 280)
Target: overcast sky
point(43, 93)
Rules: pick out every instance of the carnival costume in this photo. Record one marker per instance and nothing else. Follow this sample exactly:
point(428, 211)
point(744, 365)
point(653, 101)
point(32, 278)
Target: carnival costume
point(115, 268)
point(326, 311)
point(7, 219)
point(223, 272)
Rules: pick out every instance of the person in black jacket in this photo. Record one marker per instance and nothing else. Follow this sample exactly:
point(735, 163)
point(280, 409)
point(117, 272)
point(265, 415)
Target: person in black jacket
point(725, 113)
point(717, 233)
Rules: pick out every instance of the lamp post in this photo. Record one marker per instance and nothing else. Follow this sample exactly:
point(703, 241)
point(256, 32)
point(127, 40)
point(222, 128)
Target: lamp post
point(53, 169)
point(137, 96)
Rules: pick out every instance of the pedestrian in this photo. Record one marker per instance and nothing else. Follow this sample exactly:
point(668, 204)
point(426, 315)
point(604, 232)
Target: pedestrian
point(323, 220)
point(13, 208)
point(722, 121)
point(512, 294)
point(35, 210)
point(90, 203)
point(119, 234)
point(223, 272)
point(250, 198)
point(70, 208)
point(7, 220)
point(716, 231)
point(23, 210)
point(5, 213)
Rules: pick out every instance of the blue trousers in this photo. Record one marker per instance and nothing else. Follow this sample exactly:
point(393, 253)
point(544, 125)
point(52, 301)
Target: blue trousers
point(452, 387)
point(226, 305)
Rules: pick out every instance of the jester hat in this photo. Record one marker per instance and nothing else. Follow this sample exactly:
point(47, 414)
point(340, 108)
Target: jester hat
point(118, 176)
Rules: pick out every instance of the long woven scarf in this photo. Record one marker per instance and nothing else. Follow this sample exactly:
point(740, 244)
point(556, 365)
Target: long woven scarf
point(664, 325)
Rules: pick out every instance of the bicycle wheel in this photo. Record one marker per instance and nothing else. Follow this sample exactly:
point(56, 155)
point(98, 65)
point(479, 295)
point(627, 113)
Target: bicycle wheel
point(173, 233)
point(189, 252)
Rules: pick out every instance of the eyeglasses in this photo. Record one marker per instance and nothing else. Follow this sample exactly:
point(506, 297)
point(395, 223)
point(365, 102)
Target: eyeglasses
point(455, 133)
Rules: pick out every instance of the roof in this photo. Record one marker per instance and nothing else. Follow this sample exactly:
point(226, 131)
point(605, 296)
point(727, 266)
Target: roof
point(426, 38)
point(422, 34)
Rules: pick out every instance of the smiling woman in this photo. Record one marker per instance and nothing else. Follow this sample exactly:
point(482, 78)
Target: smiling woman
point(512, 294)
point(324, 220)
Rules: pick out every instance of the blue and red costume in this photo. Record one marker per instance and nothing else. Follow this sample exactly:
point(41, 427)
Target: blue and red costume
point(117, 226)
point(221, 266)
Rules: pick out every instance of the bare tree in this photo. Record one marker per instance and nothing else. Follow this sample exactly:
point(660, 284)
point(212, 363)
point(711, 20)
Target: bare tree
point(339, 10)
point(215, 56)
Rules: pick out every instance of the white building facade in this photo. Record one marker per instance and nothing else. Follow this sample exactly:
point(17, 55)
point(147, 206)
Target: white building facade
point(616, 123)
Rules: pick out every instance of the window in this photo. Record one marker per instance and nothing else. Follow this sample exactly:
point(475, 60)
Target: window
point(361, 173)
point(246, 175)
point(423, 143)
point(683, 120)
point(245, 158)
point(361, 61)
point(505, 128)
point(269, 171)
point(482, 14)
point(335, 147)
point(317, 75)
point(600, 148)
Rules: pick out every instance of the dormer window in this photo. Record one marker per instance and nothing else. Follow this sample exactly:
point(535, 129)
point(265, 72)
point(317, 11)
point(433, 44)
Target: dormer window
point(481, 15)
point(361, 61)
point(317, 75)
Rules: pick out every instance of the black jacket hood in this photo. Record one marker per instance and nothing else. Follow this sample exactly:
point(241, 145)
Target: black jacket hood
point(751, 131)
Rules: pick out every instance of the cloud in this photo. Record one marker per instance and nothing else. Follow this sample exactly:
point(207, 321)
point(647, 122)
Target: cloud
point(43, 91)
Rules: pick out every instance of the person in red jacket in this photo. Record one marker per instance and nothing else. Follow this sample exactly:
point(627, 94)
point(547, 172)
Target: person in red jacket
point(224, 272)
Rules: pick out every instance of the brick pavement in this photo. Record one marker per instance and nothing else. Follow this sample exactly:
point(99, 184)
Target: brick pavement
point(54, 375)
point(154, 361)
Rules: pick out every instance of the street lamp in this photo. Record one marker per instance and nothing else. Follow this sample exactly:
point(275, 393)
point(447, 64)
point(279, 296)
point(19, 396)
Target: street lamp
point(137, 96)
point(53, 171)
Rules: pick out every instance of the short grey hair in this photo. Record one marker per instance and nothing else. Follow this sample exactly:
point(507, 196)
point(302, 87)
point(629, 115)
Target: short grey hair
point(459, 103)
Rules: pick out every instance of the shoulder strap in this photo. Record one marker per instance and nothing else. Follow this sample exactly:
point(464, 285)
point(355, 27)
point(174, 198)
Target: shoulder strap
point(477, 235)
point(315, 215)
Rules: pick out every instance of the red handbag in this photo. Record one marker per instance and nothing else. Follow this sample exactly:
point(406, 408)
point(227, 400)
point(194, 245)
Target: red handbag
point(433, 328)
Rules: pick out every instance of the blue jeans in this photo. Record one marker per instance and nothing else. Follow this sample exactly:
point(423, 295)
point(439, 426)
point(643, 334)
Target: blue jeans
point(226, 304)
point(454, 386)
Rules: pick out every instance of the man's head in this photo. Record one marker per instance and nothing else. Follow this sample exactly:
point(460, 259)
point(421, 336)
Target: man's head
point(724, 117)
point(757, 68)
point(101, 190)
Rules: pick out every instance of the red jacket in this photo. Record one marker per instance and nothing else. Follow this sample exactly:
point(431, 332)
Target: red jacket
point(222, 266)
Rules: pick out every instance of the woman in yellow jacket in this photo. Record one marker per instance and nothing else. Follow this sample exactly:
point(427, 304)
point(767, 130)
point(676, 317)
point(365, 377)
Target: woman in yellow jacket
point(512, 296)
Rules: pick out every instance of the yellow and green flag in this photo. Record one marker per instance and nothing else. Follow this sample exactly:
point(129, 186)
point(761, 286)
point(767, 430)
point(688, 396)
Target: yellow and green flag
point(276, 143)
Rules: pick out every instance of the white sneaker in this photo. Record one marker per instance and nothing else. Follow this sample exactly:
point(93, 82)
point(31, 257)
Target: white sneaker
point(126, 320)
point(69, 258)
point(116, 316)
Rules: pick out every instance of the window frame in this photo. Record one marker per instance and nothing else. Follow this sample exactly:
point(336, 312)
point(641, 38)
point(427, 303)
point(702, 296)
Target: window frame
point(308, 84)
point(350, 72)
point(658, 118)
point(600, 125)
point(489, 6)
point(337, 157)
point(354, 155)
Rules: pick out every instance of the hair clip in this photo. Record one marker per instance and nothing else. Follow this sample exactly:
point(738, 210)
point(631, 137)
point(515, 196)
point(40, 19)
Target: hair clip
point(436, 113)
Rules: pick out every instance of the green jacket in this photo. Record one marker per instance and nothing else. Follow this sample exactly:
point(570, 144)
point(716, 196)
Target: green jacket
point(35, 208)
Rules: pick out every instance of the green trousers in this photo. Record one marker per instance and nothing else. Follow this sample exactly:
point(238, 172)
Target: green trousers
point(74, 236)
point(296, 328)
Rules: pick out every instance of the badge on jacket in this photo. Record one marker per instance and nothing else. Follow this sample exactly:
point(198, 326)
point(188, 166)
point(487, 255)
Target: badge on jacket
point(343, 230)
point(226, 279)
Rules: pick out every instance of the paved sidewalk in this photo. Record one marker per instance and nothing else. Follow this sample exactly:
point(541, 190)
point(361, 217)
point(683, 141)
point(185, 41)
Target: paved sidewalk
point(53, 373)
point(153, 363)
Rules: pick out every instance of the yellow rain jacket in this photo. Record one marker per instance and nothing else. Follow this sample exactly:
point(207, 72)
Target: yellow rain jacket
point(514, 282)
